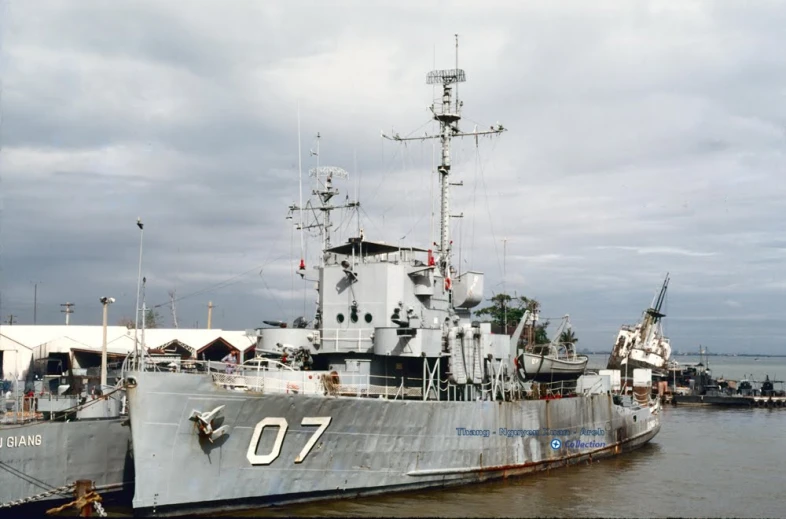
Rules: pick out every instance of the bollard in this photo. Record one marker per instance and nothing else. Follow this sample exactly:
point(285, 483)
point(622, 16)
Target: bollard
point(84, 487)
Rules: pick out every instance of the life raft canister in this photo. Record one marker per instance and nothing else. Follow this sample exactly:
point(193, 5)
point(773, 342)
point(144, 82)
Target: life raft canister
point(447, 283)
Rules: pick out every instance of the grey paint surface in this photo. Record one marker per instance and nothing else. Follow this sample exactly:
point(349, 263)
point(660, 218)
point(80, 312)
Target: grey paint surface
point(61, 453)
point(371, 445)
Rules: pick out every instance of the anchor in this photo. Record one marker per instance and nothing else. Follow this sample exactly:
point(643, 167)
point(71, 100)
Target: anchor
point(204, 422)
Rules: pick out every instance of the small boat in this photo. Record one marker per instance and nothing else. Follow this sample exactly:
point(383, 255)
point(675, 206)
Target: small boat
point(551, 362)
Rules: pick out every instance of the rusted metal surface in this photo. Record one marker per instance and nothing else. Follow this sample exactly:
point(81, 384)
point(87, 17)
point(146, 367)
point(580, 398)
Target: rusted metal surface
point(83, 488)
point(370, 445)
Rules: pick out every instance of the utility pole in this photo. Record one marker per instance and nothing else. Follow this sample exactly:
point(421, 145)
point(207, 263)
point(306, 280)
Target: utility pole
point(144, 314)
point(11, 319)
point(138, 289)
point(172, 306)
point(67, 311)
point(105, 301)
point(209, 314)
point(35, 302)
point(504, 286)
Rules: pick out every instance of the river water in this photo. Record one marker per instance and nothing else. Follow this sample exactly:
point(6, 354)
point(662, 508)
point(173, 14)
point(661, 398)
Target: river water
point(705, 462)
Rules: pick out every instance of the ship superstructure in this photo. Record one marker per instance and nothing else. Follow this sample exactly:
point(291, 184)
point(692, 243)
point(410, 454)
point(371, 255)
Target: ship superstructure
point(390, 387)
point(643, 345)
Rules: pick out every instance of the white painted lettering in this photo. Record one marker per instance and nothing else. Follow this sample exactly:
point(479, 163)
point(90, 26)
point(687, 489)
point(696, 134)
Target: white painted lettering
point(322, 422)
point(10, 442)
point(281, 423)
point(267, 459)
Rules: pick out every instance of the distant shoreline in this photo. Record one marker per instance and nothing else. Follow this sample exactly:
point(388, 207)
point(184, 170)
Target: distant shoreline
point(767, 355)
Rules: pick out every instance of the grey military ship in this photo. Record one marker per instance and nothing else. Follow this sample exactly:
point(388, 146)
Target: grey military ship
point(393, 386)
point(57, 435)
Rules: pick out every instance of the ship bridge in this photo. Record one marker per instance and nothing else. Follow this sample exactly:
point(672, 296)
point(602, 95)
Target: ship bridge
point(372, 251)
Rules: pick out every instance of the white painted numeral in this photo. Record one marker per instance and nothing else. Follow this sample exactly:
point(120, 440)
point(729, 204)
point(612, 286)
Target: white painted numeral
point(322, 422)
point(267, 459)
point(281, 423)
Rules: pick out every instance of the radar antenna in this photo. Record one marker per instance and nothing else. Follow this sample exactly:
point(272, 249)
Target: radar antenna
point(324, 191)
point(447, 112)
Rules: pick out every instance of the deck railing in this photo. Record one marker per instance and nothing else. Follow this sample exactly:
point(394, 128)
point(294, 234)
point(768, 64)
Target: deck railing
point(280, 378)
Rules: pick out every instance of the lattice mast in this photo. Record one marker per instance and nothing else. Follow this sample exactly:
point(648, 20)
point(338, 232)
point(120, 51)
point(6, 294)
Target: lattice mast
point(323, 192)
point(447, 112)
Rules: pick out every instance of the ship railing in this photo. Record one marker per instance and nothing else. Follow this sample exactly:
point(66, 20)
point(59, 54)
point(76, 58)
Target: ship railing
point(20, 409)
point(359, 339)
point(280, 378)
point(546, 390)
point(322, 383)
point(175, 364)
point(49, 406)
point(495, 389)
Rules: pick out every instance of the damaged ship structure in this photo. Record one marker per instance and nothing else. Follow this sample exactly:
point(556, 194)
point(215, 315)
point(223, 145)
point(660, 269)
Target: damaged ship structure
point(643, 345)
point(392, 386)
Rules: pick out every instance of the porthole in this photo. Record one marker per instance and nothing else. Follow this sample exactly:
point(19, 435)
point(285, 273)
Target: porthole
point(340, 318)
point(368, 318)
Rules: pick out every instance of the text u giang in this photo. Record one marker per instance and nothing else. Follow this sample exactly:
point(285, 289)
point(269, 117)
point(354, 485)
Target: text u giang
point(30, 440)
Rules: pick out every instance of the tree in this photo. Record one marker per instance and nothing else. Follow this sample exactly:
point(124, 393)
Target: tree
point(541, 335)
point(152, 320)
point(503, 305)
point(125, 321)
point(568, 337)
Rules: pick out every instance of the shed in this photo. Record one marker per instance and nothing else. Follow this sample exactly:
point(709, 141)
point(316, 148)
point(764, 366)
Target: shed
point(217, 349)
point(175, 347)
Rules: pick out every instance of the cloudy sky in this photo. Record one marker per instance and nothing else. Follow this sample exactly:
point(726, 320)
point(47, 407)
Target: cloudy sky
point(644, 138)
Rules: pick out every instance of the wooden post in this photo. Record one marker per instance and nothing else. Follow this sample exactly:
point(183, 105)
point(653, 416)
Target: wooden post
point(84, 487)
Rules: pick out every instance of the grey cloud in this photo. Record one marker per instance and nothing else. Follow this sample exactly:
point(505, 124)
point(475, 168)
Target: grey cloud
point(655, 128)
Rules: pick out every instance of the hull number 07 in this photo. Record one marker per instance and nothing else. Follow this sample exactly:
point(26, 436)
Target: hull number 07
point(281, 423)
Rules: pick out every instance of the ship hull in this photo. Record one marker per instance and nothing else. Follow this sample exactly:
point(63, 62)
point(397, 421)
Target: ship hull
point(369, 446)
point(617, 363)
point(41, 456)
point(712, 400)
point(548, 369)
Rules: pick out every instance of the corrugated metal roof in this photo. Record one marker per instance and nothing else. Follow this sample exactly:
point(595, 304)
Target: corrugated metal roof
point(31, 336)
point(23, 339)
